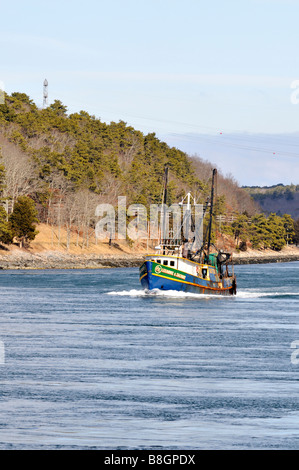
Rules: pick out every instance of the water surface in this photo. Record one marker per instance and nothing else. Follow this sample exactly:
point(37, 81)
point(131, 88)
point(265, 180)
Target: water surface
point(92, 361)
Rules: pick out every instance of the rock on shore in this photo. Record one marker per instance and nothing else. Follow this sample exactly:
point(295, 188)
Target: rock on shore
point(19, 259)
point(58, 260)
point(267, 256)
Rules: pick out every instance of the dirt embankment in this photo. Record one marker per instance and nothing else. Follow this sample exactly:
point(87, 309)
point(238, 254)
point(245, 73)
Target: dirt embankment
point(50, 251)
point(53, 249)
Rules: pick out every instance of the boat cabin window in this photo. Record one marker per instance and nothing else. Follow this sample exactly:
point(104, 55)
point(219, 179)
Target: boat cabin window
point(158, 261)
point(171, 263)
point(165, 262)
point(204, 272)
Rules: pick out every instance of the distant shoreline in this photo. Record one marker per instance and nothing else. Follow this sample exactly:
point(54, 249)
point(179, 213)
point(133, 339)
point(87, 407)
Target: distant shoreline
point(60, 260)
point(265, 259)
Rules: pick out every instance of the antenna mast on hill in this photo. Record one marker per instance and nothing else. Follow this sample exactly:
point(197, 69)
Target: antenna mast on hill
point(45, 102)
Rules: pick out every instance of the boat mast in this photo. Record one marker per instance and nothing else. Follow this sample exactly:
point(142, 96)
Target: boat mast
point(164, 207)
point(211, 209)
point(188, 216)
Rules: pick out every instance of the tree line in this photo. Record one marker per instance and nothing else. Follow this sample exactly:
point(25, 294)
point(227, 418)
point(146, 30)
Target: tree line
point(56, 167)
point(262, 232)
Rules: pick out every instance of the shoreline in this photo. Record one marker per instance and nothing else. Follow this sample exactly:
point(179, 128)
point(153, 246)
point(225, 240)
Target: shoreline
point(21, 259)
point(265, 259)
point(58, 260)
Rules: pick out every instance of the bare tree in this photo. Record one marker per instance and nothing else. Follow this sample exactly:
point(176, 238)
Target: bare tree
point(70, 213)
point(112, 188)
point(78, 215)
point(20, 174)
point(86, 202)
point(125, 158)
point(59, 188)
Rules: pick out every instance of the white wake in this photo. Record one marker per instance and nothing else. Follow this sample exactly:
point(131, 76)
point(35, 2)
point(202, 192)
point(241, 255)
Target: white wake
point(241, 294)
point(247, 294)
point(158, 293)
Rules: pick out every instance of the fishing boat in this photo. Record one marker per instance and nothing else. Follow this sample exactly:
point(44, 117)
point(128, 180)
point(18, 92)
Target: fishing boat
point(179, 265)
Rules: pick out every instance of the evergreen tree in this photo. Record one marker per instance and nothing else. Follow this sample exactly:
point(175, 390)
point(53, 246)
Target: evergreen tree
point(23, 220)
point(259, 234)
point(57, 108)
point(277, 232)
point(296, 232)
point(288, 224)
point(5, 232)
point(241, 230)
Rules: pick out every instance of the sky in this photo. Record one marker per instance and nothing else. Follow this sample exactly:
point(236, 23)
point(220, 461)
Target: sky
point(215, 79)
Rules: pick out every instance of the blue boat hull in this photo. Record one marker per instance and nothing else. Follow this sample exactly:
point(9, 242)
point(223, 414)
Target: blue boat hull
point(151, 280)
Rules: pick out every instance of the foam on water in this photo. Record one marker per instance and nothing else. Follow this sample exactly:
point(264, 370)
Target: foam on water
point(242, 294)
point(156, 292)
point(248, 294)
point(131, 292)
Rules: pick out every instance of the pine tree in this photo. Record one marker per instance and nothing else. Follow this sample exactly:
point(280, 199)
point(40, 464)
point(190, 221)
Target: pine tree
point(288, 224)
point(296, 232)
point(23, 220)
point(5, 232)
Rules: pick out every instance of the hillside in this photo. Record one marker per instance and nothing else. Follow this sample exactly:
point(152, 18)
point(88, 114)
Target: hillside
point(65, 165)
point(279, 199)
point(52, 155)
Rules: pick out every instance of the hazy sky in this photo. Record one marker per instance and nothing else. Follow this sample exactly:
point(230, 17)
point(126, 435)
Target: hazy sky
point(210, 77)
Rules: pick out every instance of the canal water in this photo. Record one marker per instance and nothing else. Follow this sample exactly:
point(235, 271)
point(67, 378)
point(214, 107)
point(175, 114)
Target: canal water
point(88, 360)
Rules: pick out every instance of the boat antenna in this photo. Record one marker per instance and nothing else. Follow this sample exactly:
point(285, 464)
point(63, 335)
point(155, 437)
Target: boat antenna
point(165, 184)
point(211, 209)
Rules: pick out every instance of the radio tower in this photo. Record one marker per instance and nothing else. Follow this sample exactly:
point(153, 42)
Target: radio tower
point(45, 102)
